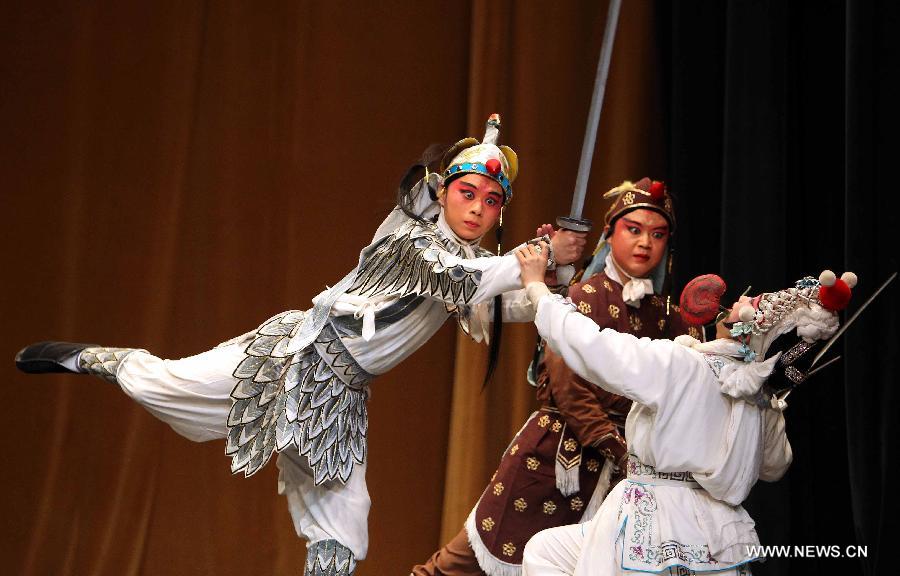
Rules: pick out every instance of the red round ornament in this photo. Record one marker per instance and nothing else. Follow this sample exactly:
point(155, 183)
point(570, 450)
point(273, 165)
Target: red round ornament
point(834, 297)
point(657, 190)
point(700, 299)
point(493, 166)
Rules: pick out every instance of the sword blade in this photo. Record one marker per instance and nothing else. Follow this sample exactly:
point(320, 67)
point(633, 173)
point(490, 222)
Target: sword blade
point(825, 365)
point(590, 134)
point(787, 391)
point(847, 324)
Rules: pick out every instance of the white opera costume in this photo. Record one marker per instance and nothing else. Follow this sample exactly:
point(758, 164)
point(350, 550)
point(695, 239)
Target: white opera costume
point(700, 434)
point(298, 384)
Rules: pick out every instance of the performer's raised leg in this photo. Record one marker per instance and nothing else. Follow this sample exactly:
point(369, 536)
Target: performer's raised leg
point(192, 395)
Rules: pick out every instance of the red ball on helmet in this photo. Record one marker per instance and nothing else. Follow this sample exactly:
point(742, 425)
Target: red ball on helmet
point(834, 293)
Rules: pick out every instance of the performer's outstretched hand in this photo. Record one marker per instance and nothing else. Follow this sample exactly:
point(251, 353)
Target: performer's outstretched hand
point(533, 262)
point(567, 245)
point(545, 229)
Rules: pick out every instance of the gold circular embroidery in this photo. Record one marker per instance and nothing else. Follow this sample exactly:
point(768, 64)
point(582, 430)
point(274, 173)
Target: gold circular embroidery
point(694, 332)
point(661, 324)
point(549, 507)
point(588, 289)
point(593, 465)
point(509, 549)
point(584, 307)
point(628, 199)
point(635, 322)
point(498, 488)
point(613, 310)
point(543, 421)
point(532, 463)
point(514, 449)
point(656, 301)
point(487, 524)
point(570, 445)
point(668, 204)
point(520, 504)
point(576, 503)
point(556, 426)
point(607, 286)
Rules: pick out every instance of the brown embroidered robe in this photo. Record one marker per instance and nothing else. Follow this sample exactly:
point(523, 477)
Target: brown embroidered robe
point(578, 426)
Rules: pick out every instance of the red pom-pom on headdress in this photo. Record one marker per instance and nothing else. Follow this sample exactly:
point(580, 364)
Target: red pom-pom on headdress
point(834, 293)
point(493, 166)
point(657, 190)
point(700, 299)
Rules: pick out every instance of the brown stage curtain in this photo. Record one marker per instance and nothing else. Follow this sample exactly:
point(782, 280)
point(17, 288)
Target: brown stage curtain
point(173, 173)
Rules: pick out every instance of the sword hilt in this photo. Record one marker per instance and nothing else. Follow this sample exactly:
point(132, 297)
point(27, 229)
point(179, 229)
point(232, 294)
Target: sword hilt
point(574, 224)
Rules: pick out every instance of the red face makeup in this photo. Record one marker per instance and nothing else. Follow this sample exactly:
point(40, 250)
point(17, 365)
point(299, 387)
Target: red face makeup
point(638, 241)
point(472, 205)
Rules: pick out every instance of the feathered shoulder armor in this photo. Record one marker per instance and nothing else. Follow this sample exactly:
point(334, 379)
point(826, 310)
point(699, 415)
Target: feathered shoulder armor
point(419, 259)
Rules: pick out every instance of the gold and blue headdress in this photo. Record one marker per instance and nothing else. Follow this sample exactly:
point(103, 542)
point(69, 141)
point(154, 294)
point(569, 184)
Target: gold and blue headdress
point(469, 156)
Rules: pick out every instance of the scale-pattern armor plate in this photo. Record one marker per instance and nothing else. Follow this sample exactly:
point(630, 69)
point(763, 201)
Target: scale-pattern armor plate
point(418, 259)
point(329, 558)
point(314, 398)
point(103, 361)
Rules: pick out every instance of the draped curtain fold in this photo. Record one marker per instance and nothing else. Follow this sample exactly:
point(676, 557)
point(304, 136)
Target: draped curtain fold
point(779, 127)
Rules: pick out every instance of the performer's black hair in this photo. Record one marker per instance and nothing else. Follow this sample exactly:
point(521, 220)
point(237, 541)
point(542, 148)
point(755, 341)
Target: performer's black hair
point(496, 327)
point(430, 159)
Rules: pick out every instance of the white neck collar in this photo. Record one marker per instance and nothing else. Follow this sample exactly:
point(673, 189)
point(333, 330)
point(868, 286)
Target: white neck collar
point(633, 289)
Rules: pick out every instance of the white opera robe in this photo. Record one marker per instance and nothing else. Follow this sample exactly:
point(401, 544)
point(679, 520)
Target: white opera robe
point(680, 422)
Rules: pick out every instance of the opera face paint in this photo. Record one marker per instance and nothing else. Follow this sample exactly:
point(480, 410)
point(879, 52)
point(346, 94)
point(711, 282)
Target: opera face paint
point(638, 241)
point(472, 205)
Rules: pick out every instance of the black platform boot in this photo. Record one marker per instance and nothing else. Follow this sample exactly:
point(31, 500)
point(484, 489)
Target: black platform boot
point(49, 357)
point(57, 357)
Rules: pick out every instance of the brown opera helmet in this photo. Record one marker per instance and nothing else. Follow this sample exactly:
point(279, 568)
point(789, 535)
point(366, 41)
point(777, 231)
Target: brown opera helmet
point(645, 193)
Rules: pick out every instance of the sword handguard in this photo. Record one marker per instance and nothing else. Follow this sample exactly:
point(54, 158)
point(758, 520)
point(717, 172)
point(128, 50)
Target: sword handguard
point(574, 224)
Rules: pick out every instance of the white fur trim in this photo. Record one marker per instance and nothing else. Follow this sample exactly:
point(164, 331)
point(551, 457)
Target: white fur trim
point(815, 322)
point(600, 492)
point(567, 481)
point(491, 565)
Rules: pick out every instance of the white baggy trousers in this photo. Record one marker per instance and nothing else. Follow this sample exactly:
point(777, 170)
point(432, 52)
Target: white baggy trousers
point(192, 395)
point(557, 551)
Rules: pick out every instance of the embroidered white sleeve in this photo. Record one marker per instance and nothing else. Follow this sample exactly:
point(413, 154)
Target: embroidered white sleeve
point(620, 363)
